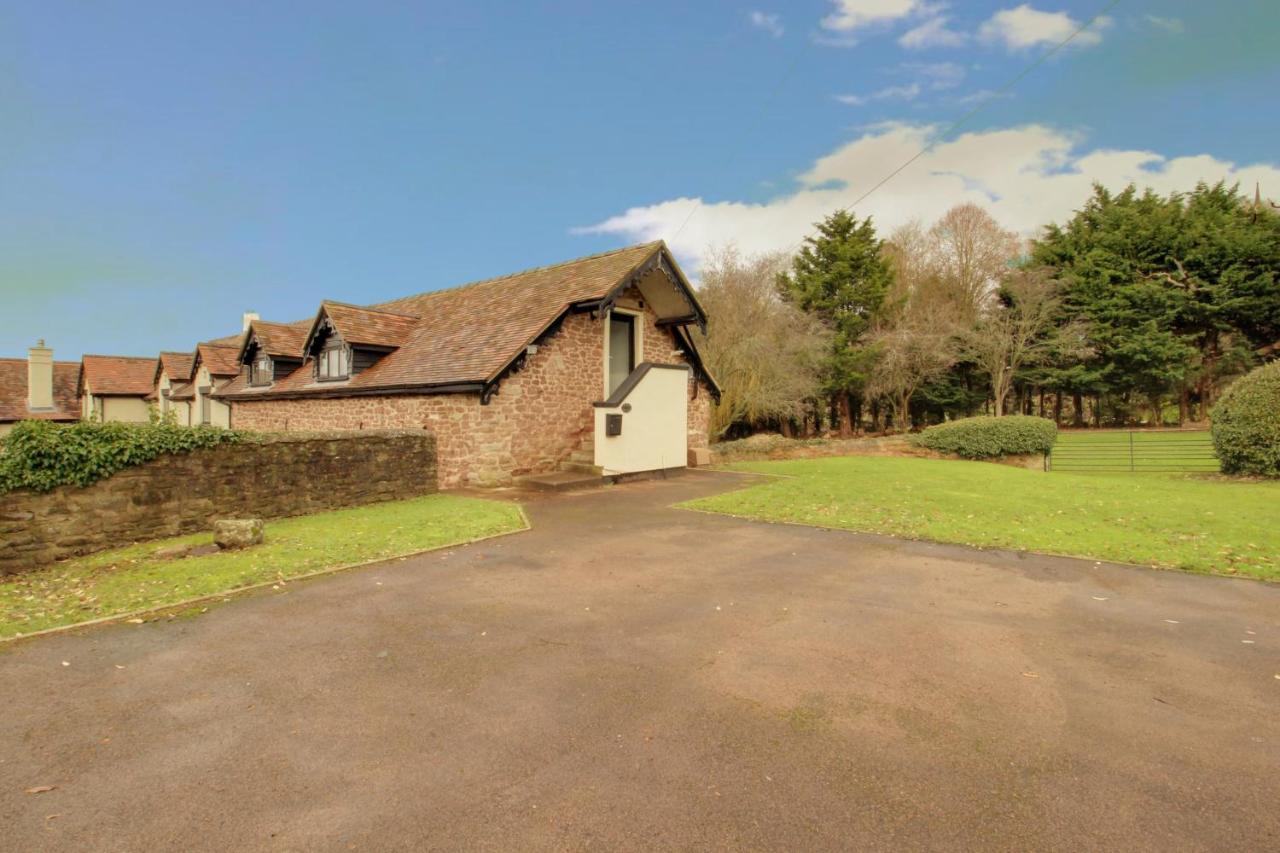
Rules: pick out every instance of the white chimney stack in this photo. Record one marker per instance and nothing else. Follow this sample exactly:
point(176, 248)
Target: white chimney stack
point(249, 317)
point(40, 378)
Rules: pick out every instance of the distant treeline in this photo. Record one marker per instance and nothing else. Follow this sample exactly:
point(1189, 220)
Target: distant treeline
point(1139, 310)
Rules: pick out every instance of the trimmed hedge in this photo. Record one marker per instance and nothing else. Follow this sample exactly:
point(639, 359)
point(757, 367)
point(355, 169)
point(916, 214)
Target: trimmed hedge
point(988, 438)
point(1246, 424)
point(40, 455)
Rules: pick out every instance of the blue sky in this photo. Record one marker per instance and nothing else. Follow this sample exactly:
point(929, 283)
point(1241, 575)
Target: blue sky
point(166, 166)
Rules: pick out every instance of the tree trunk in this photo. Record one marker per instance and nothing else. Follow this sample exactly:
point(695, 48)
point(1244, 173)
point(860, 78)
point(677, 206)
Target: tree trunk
point(857, 415)
point(1042, 402)
point(1184, 405)
point(846, 416)
point(1077, 403)
point(785, 426)
point(1057, 407)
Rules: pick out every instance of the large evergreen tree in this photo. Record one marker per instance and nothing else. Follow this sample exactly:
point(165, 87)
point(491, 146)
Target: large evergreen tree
point(841, 276)
point(1175, 290)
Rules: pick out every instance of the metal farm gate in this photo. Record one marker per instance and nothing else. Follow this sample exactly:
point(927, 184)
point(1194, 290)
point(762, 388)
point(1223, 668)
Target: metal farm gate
point(1133, 451)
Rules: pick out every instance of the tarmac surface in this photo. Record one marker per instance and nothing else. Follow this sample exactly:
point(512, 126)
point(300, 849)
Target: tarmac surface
point(630, 676)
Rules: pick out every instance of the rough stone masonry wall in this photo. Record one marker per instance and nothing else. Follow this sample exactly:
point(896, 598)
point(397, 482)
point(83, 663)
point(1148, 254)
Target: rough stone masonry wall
point(269, 477)
point(539, 416)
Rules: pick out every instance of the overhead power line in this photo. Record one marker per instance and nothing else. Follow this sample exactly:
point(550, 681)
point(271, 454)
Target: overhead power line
point(960, 122)
point(952, 128)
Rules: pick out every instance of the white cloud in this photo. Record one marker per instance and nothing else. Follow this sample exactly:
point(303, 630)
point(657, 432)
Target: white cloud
point(890, 93)
point(850, 15)
point(932, 33)
point(940, 75)
point(1025, 176)
point(934, 76)
point(1024, 27)
point(980, 96)
point(772, 24)
point(1169, 25)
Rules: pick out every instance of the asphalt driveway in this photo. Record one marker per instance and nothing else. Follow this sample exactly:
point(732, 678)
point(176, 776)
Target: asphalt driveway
point(629, 676)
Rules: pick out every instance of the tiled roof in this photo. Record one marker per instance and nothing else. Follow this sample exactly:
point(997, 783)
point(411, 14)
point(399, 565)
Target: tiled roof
point(281, 339)
point(467, 334)
point(184, 391)
point(227, 341)
point(220, 359)
point(176, 365)
point(119, 375)
point(13, 391)
point(369, 326)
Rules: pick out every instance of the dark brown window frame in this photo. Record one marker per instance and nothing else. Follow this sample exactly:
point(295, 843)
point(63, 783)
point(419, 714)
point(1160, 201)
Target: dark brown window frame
point(330, 346)
point(256, 378)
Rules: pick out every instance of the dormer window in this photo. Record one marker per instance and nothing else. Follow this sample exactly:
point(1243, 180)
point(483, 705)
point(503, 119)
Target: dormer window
point(333, 361)
point(262, 370)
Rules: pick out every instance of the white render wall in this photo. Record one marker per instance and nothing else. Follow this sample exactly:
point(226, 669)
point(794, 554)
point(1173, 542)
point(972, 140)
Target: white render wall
point(655, 433)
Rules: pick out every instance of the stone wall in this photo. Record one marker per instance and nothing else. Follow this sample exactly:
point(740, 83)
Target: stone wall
point(539, 416)
point(266, 477)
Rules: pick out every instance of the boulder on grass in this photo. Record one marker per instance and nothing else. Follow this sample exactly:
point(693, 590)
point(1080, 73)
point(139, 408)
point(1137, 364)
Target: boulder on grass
point(171, 552)
point(237, 532)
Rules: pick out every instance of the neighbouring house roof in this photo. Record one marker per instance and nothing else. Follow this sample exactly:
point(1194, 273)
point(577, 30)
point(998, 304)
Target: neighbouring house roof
point(13, 392)
point(221, 360)
point(279, 340)
point(468, 336)
point(227, 341)
point(184, 391)
point(117, 375)
point(175, 365)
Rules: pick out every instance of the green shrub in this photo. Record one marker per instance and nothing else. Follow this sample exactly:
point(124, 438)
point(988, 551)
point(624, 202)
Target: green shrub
point(1246, 424)
point(987, 438)
point(39, 455)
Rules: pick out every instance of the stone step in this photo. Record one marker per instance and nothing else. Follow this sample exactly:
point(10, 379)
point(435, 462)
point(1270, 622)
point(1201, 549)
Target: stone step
point(557, 481)
point(587, 457)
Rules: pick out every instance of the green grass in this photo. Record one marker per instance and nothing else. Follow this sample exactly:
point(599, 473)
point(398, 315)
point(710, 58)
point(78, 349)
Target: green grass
point(130, 579)
point(1168, 521)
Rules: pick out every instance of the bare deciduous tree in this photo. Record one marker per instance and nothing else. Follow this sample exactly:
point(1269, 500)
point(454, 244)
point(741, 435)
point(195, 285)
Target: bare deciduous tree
point(915, 347)
point(765, 354)
point(1013, 332)
point(971, 253)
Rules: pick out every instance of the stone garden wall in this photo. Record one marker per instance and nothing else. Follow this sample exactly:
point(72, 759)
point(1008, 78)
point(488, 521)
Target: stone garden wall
point(266, 477)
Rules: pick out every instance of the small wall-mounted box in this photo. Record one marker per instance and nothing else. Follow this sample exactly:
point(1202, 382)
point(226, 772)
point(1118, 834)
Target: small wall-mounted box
point(612, 425)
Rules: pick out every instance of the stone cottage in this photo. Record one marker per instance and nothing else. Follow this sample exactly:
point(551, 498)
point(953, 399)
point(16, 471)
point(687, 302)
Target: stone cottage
point(588, 364)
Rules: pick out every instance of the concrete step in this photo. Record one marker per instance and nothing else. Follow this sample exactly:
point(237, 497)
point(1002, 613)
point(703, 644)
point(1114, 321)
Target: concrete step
point(557, 481)
point(581, 467)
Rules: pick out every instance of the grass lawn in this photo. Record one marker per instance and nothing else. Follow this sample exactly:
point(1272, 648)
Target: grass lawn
point(129, 579)
point(1170, 521)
